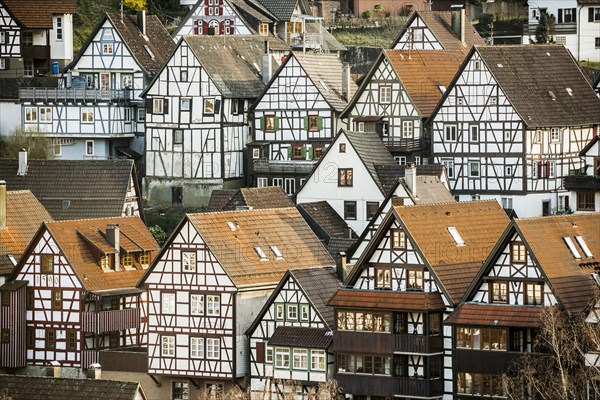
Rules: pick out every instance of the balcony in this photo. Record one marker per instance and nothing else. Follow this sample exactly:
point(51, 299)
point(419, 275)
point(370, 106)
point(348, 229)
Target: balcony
point(388, 386)
point(386, 343)
point(581, 182)
point(110, 321)
point(306, 40)
point(31, 52)
point(483, 361)
point(395, 144)
point(558, 29)
point(301, 167)
point(57, 95)
point(128, 359)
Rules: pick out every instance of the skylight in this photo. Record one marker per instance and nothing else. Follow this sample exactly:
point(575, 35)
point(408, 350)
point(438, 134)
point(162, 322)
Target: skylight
point(277, 252)
point(150, 53)
point(231, 226)
point(571, 247)
point(570, 91)
point(584, 246)
point(456, 236)
point(261, 253)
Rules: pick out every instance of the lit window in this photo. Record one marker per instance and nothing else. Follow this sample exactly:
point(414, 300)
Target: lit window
point(209, 106)
point(518, 253)
point(534, 294)
point(345, 176)
point(499, 292)
point(107, 48)
point(263, 29)
point(270, 123)
point(279, 311)
point(31, 114)
point(414, 279)
point(383, 278)
point(398, 239)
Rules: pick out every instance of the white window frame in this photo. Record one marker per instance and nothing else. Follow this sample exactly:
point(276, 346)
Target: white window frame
point(385, 94)
point(213, 305)
point(158, 106)
point(107, 48)
point(188, 261)
point(185, 104)
point(555, 135)
point(552, 173)
point(31, 114)
point(141, 114)
point(507, 202)
point(277, 182)
point(282, 358)
point(450, 133)
point(408, 129)
point(87, 115)
point(167, 346)
point(262, 182)
point(127, 115)
point(300, 359)
point(2, 37)
point(196, 304)
point(449, 164)
point(292, 312)
point(167, 303)
point(289, 186)
point(2, 63)
point(213, 348)
point(317, 360)
point(89, 144)
point(304, 312)
point(474, 169)
point(196, 347)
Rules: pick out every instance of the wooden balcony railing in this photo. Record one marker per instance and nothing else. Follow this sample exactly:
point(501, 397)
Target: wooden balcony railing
point(388, 386)
point(110, 321)
point(31, 52)
point(398, 144)
point(386, 343)
point(483, 361)
point(557, 29)
point(133, 359)
point(283, 167)
point(73, 95)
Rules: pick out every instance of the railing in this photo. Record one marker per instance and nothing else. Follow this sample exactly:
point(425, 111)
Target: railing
point(388, 386)
point(557, 29)
point(110, 321)
point(308, 40)
point(292, 166)
point(72, 95)
point(399, 144)
point(124, 359)
point(386, 343)
point(32, 52)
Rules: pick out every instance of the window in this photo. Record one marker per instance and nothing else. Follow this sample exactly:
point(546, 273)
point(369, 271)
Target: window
point(71, 340)
point(89, 147)
point(27, 38)
point(481, 338)
point(104, 81)
point(107, 48)
point(183, 75)
point(304, 312)
point(350, 210)
point(297, 152)
point(57, 299)
point(449, 165)
point(474, 169)
point(493, 100)
point(28, 68)
point(87, 115)
point(279, 311)
point(407, 129)
point(185, 104)
point(168, 346)
point(534, 294)
point(213, 348)
point(499, 292)
point(537, 136)
point(50, 339)
point(157, 106)
point(401, 160)
point(197, 304)
point(277, 182)
point(5, 298)
point(474, 133)
point(313, 124)
point(435, 324)
point(317, 360)
point(508, 170)
point(360, 126)
point(317, 151)
point(269, 123)
point(237, 106)
point(2, 63)
point(262, 182)
point(2, 37)
point(456, 236)
point(567, 15)
point(168, 303)
point(450, 133)
point(479, 384)
point(597, 43)
point(30, 332)
point(30, 298)
point(359, 321)
point(209, 106)
point(282, 358)
point(145, 259)
point(372, 207)
point(385, 94)
point(593, 14)
point(127, 115)
point(300, 358)
point(292, 312)
point(188, 261)
point(518, 253)
point(418, 160)
point(141, 114)
point(47, 264)
point(417, 34)
point(197, 347)
point(268, 355)
point(126, 81)
point(414, 279)
point(345, 177)
point(30, 114)
point(586, 201)
point(342, 147)
point(213, 305)
point(398, 239)
point(555, 134)
point(45, 114)
point(181, 391)
point(383, 278)
point(507, 203)
point(127, 262)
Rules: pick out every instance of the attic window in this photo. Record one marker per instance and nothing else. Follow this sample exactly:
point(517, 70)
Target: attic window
point(456, 236)
point(277, 252)
point(261, 254)
point(570, 91)
point(150, 53)
point(584, 246)
point(231, 226)
point(572, 247)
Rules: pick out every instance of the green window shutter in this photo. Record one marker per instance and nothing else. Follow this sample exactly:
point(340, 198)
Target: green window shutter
point(320, 123)
point(306, 122)
point(304, 152)
point(290, 152)
point(310, 151)
point(262, 123)
point(276, 123)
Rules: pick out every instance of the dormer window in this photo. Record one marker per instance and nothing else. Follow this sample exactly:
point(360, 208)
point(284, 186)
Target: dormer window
point(145, 259)
point(456, 236)
point(106, 263)
point(127, 262)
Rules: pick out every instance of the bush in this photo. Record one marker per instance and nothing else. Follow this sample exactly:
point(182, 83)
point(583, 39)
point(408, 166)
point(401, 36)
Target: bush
point(366, 14)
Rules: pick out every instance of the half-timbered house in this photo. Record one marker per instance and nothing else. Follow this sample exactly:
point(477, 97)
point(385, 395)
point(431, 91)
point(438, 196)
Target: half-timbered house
point(295, 118)
point(398, 95)
point(207, 285)
point(583, 185)
point(34, 34)
point(537, 263)
point(438, 30)
point(197, 122)
point(79, 189)
point(390, 337)
point(512, 124)
point(291, 337)
point(21, 214)
point(98, 113)
point(74, 293)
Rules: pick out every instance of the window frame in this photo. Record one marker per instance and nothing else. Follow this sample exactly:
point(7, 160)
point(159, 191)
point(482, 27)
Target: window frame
point(300, 359)
point(50, 339)
point(158, 105)
point(213, 348)
point(413, 277)
point(57, 299)
point(208, 106)
point(197, 304)
point(538, 289)
point(348, 213)
point(371, 209)
point(282, 358)
point(398, 239)
point(450, 133)
point(47, 267)
point(87, 115)
point(269, 123)
point(499, 292)
point(196, 349)
point(385, 94)
point(188, 261)
point(312, 123)
point(383, 278)
point(213, 308)
point(168, 303)
point(586, 200)
point(518, 253)
point(474, 169)
point(345, 177)
point(108, 48)
point(167, 346)
point(292, 312)
point(408, 129)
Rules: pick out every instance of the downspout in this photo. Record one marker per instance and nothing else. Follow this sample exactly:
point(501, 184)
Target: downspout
point(579, 33)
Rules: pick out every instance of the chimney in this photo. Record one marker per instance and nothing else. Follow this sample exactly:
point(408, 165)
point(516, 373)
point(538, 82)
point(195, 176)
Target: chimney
point(54, 370)
point(94, 371)
point(141, 21)
point(22, 170)
point(2, 204)
point(458, 21)
point(410, 178)
point(397, 201)
point(346, 81)
point(266, 64)
point(112, 237)
point(340, 265)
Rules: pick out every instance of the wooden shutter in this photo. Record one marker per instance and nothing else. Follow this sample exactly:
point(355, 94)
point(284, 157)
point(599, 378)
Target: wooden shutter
point(310, 151)
point(260, 352)
point(320, 123)
point(276, 123)
point(547, 169)
point(205, 27)
point(539, 170)
point(217, 106)
point(196, 26)
point(165, 106)
point(262, 123)
point(591, 14)
point(560, 15)
point(289, 150)
point(149, 105)
point(574, 14)
point(306, 122)
point(304, 152)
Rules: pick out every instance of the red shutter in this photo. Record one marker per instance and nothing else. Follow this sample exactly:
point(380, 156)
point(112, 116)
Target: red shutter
point(221, 27)
point(260, 352)
point(547, 169)
point(206, 8)
point(205, 27)
point(539, 170)
point(196, 23)
point(566, 202)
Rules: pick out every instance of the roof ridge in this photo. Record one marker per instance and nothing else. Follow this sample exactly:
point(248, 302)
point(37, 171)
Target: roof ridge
point(242, 211)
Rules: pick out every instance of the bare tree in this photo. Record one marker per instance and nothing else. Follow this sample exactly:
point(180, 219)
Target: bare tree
point(37, 144)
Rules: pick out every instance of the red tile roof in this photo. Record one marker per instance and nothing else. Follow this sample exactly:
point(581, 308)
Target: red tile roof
point(478, 314)
point(386, 300)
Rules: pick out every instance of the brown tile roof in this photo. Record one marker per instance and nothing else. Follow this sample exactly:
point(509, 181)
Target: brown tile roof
point(24, 215)
point(37, 14)
point(235, 249)
point(219, 198)
point(422, 72)
point(21, 387)
point(386, 300)
point(569, 277)
point(319, 284)
point(264, 197)
point(505, 316)
point(440, 23)
point(78, 251)
point(479, 223)
point(325, 221)
point(430, 189)
point(536, 80)
point(294, 336)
